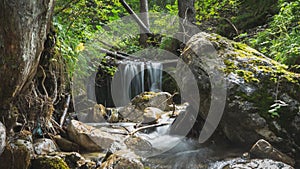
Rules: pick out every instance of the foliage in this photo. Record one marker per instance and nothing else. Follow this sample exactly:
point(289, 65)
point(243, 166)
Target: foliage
point(274, 108)
point(77, 21)
point(281, 40)
point(211, 8)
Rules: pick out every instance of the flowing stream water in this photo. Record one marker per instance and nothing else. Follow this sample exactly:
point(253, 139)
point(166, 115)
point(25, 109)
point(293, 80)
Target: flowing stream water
point(135, 77)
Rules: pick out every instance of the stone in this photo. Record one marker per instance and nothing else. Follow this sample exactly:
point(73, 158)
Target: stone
point(74, 159)
point(160, 100)
point(131, 113)
point(263, 149)
point(48, 162)
point(248, 164)
point(44, 146)
point(138, 145)
point(122, 159)
point(16, 155)
point(2, 137)
point(66, 145)
point(97, 115)
point(250, 80)
point(151, 115)
point(90, 138)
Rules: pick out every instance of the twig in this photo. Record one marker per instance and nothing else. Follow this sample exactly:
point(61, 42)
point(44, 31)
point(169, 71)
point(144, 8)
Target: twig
point(149, 126)
point(63, 117)
point(231, 24)
point(173, 112)
point(116, 54)
point(57, 125)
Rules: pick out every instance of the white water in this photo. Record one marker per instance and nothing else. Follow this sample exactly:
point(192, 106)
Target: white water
point(133, 77)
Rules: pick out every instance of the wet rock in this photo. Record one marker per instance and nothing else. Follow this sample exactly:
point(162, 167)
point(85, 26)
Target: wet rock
point(253, 83)
point(160, 100)
point(151, 115)
point(122, 159)
point(132, 114)
point(2, 137)
point(44, 146)
point(138, 145)
point(16, 155)
point(113, 115)
point(94, 156)
point(97, 115)
point(48, 162)
point(263, 149)
point(74, 160)
point(90, 138)
point(249, 164)
point(66, 145)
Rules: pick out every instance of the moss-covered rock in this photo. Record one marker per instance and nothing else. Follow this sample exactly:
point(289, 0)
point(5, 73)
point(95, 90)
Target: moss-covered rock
point(48, 162)
point(262, 99)
point(16, 155)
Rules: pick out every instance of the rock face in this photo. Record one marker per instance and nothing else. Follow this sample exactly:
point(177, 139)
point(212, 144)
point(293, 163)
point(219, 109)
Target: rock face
point(262, 99)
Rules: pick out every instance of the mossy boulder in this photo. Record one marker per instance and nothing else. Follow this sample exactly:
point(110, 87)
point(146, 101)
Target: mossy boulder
point(261, 95)
point(48, 162)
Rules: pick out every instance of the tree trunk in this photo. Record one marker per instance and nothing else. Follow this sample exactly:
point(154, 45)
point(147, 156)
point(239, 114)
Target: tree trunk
point(24, 25)
point(186, 11)
point(145, 19)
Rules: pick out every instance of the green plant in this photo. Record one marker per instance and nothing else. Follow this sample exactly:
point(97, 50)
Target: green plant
point(274, 108)
point(281, 40)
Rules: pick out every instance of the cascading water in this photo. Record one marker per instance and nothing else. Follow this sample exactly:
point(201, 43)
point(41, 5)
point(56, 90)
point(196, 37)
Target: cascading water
point(135, 77)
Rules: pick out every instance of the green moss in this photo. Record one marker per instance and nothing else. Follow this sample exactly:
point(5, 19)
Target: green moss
point(48, 163)
point(248, 76)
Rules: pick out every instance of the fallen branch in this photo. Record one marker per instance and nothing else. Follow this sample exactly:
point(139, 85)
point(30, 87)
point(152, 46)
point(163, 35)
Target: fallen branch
point(233, 26)
point(63, 117)
point(149, 126)
point(57, 125)
point(136, 18)
point(118, 55)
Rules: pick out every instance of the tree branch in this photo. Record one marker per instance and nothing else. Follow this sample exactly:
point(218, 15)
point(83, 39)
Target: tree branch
point(136, 18)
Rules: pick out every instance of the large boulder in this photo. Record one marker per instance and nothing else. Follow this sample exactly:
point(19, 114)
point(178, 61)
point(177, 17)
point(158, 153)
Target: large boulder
point(147, 107)
point(90, 138)
point(262, 97)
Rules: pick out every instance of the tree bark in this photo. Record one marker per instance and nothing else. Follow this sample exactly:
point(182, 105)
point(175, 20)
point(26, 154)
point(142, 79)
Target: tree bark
point(24, 25)
point(145, 19)
point(186, 11)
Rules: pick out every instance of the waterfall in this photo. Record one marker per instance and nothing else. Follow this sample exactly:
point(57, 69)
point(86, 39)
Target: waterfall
point(135, 77)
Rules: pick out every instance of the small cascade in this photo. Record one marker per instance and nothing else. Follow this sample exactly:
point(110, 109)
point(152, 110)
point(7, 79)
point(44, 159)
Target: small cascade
point(136, 77)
